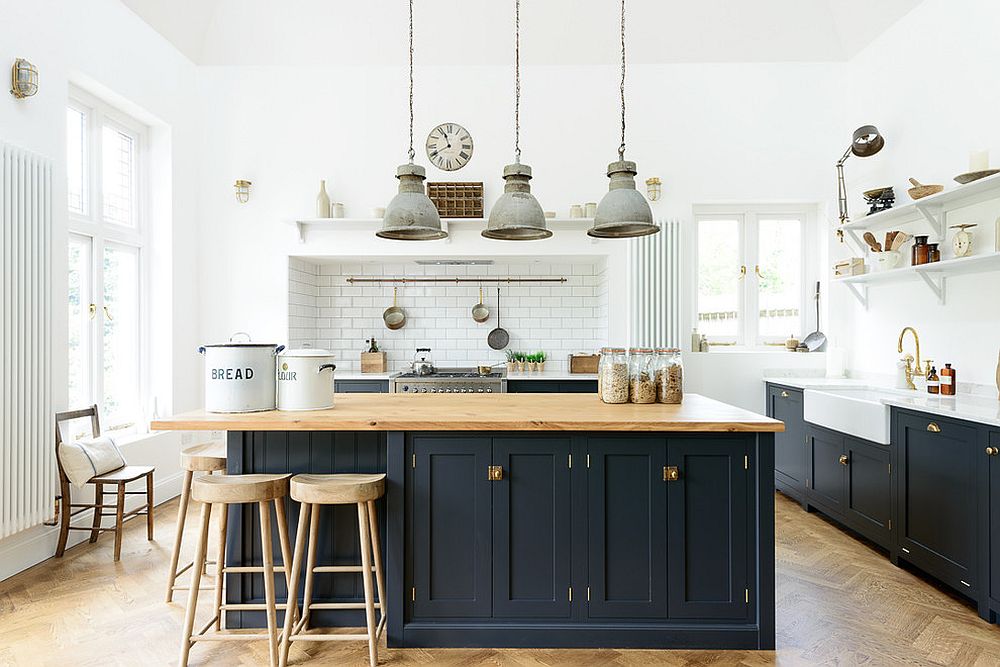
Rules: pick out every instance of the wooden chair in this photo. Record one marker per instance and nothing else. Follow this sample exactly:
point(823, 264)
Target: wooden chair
point(314, 491)
point(119, 478)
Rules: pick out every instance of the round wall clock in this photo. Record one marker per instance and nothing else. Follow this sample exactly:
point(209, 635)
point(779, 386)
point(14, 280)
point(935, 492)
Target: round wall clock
point(449, 146)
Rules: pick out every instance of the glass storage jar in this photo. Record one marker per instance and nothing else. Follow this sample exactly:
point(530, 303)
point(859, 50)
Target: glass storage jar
point(613, 375)
point(669, 376)
point(641, 386)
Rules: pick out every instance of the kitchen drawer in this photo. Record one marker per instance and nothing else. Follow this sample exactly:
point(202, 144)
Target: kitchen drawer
point(361, 386)
point(551, 386)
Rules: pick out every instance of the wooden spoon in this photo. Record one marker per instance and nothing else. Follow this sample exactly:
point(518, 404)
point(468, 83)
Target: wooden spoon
point(899, 240)
point(889, 238)
point(872, 242)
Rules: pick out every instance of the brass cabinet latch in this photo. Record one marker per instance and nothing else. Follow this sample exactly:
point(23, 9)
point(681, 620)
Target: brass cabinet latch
point(992, 451)
point(494, 473)
point(671, 474)
point(844, 460)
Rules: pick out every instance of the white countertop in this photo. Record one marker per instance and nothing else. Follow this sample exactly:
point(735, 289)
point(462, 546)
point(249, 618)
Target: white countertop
point(969, 407)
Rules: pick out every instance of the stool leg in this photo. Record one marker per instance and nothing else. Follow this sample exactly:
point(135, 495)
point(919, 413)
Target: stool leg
point(119, 520)
point(221, 564)
point(181, 518)
point(98, 511)
point(377, 551)
point(268, 553)
point(149, 507)
point(192, 602)
point(310, 564)
point(286, 551)
point(301, 537)
point(366, 576)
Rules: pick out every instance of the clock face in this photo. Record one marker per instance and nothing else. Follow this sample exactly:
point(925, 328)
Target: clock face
point(449, 146)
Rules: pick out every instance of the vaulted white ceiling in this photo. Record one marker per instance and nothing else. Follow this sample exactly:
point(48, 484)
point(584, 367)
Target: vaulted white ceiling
point(553, 32)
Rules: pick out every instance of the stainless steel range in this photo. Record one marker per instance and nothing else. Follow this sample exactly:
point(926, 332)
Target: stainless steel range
point(451, 381)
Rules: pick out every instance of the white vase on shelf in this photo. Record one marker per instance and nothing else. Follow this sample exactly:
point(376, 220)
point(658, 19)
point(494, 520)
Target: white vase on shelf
point(322, 201)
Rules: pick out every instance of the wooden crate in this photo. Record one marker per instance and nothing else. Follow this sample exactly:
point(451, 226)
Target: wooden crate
point(373, 362)
point(457, 200)
point(583, 363)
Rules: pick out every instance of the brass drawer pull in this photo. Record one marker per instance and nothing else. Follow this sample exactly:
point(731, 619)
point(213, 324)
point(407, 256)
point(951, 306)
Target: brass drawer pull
point(933, 428)
point(992, 451)
point(784, 394)
point(494, 473)
point(844, 460)
point(671, 474)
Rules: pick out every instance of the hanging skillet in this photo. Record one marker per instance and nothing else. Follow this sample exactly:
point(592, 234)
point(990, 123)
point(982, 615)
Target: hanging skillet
point(394, 316)
point(499, 337)
point(480, 311)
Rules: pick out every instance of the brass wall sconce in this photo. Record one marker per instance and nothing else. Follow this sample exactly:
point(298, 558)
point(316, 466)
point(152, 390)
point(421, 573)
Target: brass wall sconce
point(23, 79)
point(653, 188)
point(242, 188)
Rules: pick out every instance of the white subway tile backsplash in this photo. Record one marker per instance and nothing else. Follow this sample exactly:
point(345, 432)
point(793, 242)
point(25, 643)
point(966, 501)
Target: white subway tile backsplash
point(326, 311)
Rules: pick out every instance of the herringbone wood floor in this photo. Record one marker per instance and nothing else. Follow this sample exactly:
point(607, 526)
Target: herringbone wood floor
point(839, 603)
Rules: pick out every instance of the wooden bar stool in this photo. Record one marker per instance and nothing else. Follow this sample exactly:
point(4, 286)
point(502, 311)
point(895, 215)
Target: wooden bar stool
point(314, 490)
point(208, 458)
point(225, 490)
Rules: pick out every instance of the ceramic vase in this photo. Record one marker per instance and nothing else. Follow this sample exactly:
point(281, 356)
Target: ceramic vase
point(322, 201)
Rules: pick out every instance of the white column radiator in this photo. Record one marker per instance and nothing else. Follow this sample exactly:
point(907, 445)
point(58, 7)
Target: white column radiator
point(655, 308)
point(27, 457)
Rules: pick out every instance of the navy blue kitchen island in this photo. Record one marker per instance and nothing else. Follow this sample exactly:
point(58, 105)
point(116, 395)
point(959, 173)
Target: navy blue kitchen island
point(532, 521)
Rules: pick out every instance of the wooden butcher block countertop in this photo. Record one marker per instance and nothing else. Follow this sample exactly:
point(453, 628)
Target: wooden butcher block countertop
point(486, 412)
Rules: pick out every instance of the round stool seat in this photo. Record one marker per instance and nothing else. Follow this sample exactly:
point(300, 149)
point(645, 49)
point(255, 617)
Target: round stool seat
point(337, 489)
point(204, 458)
point(239, 488)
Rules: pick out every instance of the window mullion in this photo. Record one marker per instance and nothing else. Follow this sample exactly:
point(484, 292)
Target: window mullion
point(752, 310)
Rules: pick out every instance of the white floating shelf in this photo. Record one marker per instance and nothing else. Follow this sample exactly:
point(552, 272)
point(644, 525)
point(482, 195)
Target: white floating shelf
point(355, 224)
point(932, 210)
point(934, 275)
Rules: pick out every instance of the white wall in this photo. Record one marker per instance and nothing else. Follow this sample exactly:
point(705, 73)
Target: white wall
point(935, 102)
point(101, 46)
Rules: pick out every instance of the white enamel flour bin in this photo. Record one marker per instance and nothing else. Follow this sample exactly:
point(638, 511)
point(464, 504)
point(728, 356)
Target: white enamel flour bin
point(305, 379)
point(239, 375)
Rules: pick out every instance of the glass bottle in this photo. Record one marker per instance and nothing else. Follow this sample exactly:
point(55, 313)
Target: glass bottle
point(614, 375)
point(669, 376)
point(948, 385)
point(919, 252)
point(642, 389)
point(933, 382)
point(933, 253)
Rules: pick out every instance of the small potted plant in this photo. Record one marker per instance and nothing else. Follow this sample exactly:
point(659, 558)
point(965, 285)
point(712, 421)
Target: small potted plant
point(532, 362)
point(541, 357)
point(520, 358)
point(510, 361)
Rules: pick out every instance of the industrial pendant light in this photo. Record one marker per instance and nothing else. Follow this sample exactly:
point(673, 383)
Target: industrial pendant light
point(411, 215)
point(624, 212)
point(517, 215)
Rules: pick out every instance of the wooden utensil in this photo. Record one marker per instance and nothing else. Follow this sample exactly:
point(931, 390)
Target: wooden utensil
point(899, 240)
point(872, 242)
point(919, 190)
point(889, 238)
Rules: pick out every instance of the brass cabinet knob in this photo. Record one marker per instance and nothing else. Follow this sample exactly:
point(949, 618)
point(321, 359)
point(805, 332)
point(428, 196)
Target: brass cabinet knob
point(844, 460)
point(933, 428)
point(784, 394)
point(992, 451)
point(494, 473)
point(671, 474)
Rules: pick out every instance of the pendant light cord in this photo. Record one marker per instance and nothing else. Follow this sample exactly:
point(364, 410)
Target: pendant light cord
point(517, 81)
point(621, 147)
point(410, 153)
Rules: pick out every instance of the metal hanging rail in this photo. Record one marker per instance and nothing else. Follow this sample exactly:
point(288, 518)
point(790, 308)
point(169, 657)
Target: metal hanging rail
point(456, 280)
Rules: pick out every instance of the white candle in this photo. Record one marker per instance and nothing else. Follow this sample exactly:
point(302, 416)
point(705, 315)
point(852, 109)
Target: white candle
point(979, 160)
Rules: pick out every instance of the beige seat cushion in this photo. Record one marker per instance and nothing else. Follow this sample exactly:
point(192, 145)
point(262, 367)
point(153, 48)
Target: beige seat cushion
point(89, 457)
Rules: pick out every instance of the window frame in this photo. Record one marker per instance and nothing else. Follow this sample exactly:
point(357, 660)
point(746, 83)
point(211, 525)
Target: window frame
point(102, 233)
point(748, 217)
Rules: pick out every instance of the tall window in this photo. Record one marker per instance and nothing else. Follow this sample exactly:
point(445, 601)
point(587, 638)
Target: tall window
point(754, 267)
point(107, 255)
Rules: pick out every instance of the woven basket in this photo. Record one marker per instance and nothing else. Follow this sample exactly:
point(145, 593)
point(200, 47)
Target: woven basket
point(919, 190)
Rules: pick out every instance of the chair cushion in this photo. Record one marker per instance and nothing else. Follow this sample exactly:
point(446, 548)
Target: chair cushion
point(89, 457)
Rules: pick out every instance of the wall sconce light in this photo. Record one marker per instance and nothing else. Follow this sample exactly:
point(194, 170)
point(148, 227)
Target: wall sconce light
point(242, 191)
point(23, 79)
point(653, 188)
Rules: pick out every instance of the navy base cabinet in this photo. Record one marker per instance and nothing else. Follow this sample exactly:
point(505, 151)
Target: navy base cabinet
point(515, 386)
point(791, 450)
point(587, 540)
point(992, 524)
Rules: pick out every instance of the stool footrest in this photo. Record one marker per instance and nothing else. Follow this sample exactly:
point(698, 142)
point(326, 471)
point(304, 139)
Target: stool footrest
point(250, 569)
point(340, 568)
point(251, 606)
point(328, 638)
point(340, 605)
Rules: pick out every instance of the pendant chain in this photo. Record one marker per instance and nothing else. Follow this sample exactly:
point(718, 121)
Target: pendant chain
point(410, 153)
point(621, 147)
point(517, 81)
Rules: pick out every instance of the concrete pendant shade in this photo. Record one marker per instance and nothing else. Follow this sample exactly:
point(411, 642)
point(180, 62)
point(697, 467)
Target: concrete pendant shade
point(517, 215)
point(624, 212)
point(411, 215)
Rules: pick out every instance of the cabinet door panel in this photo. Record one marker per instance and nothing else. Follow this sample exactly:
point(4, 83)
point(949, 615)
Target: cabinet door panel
point(451, 527)
point(790, 446)
point(826, 477)
point(627, 540)
point(994, 509)
point(867, 500)
point(938, 497)
point(531, 528)
point(707, 520)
